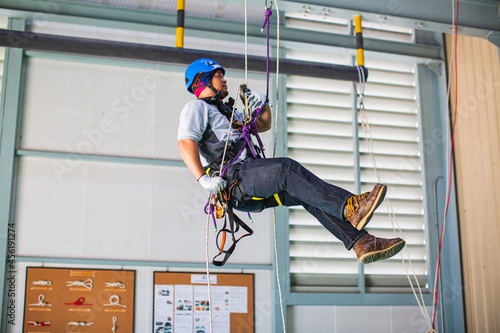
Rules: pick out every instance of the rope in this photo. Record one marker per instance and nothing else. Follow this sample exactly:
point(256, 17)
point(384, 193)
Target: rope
point(114, 300)
point(369, 143)
point(42, 283)
point(449, 166)
point(208, 274)
point(283, 322)
point(86, 284)
point(227, 138)
point(39, 323)
point(211, 195)
point(79, 302)
point(246, 45)
point(115, 284)
point(80, 323)
point(246, 133)
point(41, 301)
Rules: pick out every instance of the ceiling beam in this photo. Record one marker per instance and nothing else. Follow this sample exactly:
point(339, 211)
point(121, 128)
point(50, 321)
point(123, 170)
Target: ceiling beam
point(173, 55)
point(150, 21)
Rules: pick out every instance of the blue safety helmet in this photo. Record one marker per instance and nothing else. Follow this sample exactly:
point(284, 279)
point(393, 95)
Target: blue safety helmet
point(203, 65)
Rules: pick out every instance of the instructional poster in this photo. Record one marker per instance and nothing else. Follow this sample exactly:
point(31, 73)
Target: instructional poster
point(182, 303)
point(79, 300)
point(164, 308)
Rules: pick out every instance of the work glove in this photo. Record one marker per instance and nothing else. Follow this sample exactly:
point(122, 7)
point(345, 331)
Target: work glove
point(255, 99)
point(213, 184)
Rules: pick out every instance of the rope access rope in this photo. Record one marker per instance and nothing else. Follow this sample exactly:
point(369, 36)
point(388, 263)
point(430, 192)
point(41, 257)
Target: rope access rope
point(208, 273)
point(369, 143)
point(266, 24)
point(223, 159)
point(246, 45)
point(283, 322)
point(211, 195)
point(449, 165)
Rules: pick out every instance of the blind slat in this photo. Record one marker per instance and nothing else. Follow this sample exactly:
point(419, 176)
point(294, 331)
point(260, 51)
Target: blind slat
point(319, 127)
point(320, 136)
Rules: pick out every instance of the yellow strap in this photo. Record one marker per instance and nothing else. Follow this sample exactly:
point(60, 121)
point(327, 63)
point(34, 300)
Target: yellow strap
point(277, 197)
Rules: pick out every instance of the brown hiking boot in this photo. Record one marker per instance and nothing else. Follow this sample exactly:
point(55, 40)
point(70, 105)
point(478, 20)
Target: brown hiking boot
point(360, 208)
point(371, 248)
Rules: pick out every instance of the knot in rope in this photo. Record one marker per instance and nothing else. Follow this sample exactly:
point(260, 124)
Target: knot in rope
point(86, 284)
point(253, 129)
point(80, 323)
point(42, 283)
point(115, 301)
point(245, 133)
point(256, 113)
point(269, 12)
point(79, 302)
point(41, 301)
point(39, 323)
point(115, 284)
point(431, 330)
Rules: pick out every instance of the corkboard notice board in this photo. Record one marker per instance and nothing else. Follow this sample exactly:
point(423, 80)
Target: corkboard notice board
point(79, 300)
point(182, 303)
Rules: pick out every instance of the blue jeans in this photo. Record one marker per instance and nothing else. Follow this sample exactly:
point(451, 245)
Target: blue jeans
point(296, 186)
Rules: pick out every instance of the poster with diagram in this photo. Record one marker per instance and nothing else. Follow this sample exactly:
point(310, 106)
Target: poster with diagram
point(79, 300)
point(182, 303)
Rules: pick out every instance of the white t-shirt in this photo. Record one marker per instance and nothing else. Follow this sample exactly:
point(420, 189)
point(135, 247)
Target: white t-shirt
point(206, 125)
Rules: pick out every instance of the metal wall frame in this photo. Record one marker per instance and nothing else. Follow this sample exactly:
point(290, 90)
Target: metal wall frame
point(434, 127)
point(9, 110)
point(478, 18)
point(80, 13)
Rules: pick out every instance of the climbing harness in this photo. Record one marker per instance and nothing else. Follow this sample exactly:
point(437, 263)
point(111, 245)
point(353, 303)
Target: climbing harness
point(213, 209)
point(231, 154)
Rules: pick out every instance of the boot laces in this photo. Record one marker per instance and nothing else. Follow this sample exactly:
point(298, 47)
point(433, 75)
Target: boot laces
point(353, 203)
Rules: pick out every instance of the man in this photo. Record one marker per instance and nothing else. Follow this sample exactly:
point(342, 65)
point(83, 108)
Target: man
point(203, 130)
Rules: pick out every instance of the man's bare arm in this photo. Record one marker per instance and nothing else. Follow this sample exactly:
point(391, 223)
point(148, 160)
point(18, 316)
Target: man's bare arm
point(265, 120)
point(191, 156)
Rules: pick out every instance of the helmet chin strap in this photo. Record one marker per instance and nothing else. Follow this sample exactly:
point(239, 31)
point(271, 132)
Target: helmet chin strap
point(209, 85)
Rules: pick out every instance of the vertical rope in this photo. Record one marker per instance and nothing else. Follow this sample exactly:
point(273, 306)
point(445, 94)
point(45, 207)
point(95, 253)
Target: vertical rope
point(449, 163)
point(210, 305)
point(392, 216)
point(246, 45)
point(274, 154)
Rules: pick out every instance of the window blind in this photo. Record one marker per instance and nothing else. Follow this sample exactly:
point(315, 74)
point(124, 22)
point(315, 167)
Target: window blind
point(321, 136)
